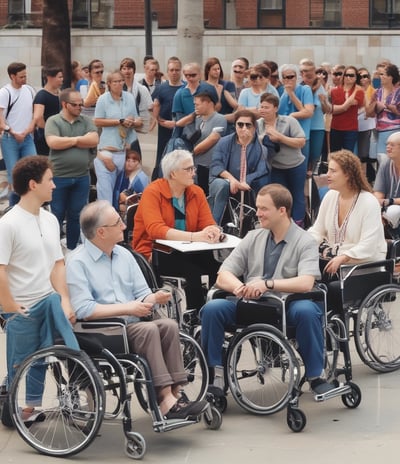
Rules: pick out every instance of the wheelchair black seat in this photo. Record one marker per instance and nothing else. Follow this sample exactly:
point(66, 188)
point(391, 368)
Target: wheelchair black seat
point(261, 311)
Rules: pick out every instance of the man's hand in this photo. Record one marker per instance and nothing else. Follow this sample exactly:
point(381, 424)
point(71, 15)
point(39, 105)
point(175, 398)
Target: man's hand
point(140, 309)
point(162, 296)
point(68, 311)
point(254, 289)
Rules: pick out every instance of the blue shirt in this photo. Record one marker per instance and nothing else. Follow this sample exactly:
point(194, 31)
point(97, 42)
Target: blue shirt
point(286, 107)
point(183, 103)
point(95, 278)
point(107, 107)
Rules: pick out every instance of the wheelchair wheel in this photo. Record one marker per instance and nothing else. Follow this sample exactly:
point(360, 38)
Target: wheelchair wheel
point(263, 370)
point(73, 400)
point(377, 334)
point(296, 419)
point(353, 399)
point(195, 366)
point(135, 445)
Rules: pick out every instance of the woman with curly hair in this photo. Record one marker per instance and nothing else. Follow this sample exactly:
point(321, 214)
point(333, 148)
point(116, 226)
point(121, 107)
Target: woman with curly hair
point(348, 227)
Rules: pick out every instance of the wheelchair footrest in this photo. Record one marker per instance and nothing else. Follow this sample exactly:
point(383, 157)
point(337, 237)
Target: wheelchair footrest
point(172, 424)
point(340, 390)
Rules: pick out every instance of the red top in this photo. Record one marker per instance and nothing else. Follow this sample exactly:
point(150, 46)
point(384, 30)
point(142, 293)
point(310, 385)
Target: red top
point(347, 121)
point(155, 214)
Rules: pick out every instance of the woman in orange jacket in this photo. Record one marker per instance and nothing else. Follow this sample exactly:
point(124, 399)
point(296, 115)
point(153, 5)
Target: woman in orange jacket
point(173, 208)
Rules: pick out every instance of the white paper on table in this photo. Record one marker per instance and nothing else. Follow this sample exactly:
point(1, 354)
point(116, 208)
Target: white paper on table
point(231, 242)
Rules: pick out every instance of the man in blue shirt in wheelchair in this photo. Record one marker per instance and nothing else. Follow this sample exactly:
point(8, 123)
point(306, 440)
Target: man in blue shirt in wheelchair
point(278, 257)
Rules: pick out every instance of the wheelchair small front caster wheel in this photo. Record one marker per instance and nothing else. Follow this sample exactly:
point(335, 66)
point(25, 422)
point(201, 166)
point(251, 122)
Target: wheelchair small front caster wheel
point(213, 418)
point(135, 445)
point(352, 399)
point(296, 420)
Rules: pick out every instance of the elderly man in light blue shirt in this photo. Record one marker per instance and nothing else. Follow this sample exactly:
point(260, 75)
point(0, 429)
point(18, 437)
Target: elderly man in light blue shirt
point(104, 280)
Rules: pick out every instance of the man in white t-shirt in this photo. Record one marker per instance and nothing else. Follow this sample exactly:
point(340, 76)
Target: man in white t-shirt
point(16, 119)
point(33, 292)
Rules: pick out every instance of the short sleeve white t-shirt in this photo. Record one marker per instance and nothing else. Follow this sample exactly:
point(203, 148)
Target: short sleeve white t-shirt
point(20, 115)
point(30, 246)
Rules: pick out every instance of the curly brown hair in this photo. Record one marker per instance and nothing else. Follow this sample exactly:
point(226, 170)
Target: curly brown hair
point(350, 164)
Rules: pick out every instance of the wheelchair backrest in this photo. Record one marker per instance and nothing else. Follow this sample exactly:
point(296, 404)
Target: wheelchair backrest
point(357, 281)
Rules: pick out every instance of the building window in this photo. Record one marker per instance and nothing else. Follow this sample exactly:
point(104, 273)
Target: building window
point(93, 13)
point(332, 13)
point(385, 13)
point(271, 13)
point(20, 13)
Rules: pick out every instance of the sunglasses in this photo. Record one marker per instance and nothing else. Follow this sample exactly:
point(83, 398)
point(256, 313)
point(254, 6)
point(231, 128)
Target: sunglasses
point(190, 75)
point(364, 76)
point(292, 76)
point(241, 124)
point(349, 75)
point(99, 72)
point(338, 73)
point(75, 105)
point(324, 73)
point(254, 77)
point(274, 76)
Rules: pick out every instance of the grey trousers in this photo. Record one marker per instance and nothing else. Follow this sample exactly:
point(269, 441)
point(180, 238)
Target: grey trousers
point(158, 342)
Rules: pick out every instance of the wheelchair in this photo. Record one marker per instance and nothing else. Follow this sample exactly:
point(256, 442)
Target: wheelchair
point(262, 369)
point(370, 312)
point(81, 388)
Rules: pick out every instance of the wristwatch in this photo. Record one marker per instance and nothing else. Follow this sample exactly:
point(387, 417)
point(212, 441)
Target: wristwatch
point(122, 120)
point(269, 283)
point(7, 129)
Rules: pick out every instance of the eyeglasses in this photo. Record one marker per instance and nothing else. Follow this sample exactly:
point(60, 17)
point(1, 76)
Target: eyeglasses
point(254, 77)
point(100, 71)
point(364, 76)
point(190, 169)
point(75, 105)
point(274, 76)
point(292, 76)
point(191, 75)
point(349, 75)
point(338, 73)
point(118, 222)
point(241, 124)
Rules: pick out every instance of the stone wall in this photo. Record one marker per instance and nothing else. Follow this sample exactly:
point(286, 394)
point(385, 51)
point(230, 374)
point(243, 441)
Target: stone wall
point(356, 47)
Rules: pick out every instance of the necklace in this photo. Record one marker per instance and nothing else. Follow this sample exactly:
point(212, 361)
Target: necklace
point(340, 231)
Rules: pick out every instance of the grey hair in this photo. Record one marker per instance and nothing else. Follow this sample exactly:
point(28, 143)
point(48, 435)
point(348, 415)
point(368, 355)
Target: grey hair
point(288, 67)
point(173, 160)
point(91, 217)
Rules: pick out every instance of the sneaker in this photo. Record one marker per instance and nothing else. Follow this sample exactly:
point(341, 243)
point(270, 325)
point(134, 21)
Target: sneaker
point(185, 410)
point(319, 386)
point(30, 417)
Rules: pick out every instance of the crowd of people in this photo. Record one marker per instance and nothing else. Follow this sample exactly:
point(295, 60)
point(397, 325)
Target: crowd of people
point(256, 135)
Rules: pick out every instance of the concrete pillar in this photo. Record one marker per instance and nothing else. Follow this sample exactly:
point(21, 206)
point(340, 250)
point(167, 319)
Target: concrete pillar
point(190, 31)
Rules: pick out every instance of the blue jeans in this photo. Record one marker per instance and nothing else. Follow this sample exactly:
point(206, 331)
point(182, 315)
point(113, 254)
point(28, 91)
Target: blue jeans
point(316, 143)
point(13, 151)
point(293, 179)
point(305, 315)
point(106, 179)
point(343, 139)
point(218, 198)
point(69, 197)
point(27, 334)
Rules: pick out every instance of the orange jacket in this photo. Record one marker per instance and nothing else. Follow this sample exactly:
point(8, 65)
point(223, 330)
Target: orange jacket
point(155, 214)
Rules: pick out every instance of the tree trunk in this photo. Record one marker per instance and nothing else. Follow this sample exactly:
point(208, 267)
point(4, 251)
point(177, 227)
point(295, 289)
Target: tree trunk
point(190, 31)
point(56, 37)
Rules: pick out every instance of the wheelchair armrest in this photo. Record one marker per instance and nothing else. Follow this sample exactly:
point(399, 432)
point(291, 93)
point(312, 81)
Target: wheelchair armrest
point(101, 323)
point(318, 293)
point(217, 293)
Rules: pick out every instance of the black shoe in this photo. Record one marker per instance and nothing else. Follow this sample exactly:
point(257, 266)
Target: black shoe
point(6, 416)
point(320, 386)
point(183, 410)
